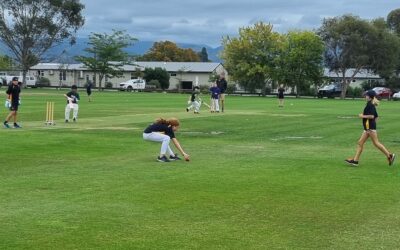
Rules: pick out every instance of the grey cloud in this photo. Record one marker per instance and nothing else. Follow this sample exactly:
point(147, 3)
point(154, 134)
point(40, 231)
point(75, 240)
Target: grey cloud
point(207, 21)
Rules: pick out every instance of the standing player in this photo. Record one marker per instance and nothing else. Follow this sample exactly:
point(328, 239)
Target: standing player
point(164, 131)
point(369, 117)
point(13, 92)
point(281, 95)
point(222, 85)
point(215, 94)
point(72, 103)
point(89, 90)
point(194, 101)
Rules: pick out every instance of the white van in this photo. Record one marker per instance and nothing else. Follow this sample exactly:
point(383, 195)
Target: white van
point(30, 80)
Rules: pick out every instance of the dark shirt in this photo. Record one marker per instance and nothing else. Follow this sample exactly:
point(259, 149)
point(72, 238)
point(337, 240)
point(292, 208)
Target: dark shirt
point(13, 91)
point(160, 128)
point(194, 96)
point(280, 92)
point(370, 124)
point(215, 91)
point(74, 96)
point(89, 87)
point(222, 84)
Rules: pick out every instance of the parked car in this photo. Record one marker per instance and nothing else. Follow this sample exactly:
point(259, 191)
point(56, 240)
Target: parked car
point(381, 92)
point(330, 91)
point(132, 85)
point(30, 80)
point(396, 96)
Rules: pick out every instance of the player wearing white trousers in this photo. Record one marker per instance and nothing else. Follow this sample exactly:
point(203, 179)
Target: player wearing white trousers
point(68, 108)
point(195, 105)
point(158, 137)
point(214, 105)
point(72, 103)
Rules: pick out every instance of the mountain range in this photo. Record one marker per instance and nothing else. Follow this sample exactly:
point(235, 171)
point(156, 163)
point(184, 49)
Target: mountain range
point(66, 53)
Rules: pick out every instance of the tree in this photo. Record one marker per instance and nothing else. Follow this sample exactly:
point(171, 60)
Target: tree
point(157, 74)
point(107, 54)
point(300, 62)
point(30, 27)
point(5, 63)
point(203, 55)
point(250, 58)
point(385, 50)
point(393, 20)
point(348, 42)
point(169, 52)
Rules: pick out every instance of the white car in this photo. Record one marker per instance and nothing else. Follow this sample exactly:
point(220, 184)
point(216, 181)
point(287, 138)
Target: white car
point(133, 84)
point(396, 96)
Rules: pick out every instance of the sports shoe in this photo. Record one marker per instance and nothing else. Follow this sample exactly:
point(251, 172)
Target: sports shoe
point(391, 159)
point(352, 162)
point(16, 125)
point(6, 125)
point(163, 159)
point(74, 120)
point(174, 158)
point(187, 109)
point(66, 121)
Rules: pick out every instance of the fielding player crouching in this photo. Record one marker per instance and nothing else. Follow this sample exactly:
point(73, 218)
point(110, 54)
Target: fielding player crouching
point(163, 131)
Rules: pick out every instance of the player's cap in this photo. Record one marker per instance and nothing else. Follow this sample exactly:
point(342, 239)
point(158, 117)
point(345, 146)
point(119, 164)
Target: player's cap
point(371, 93)
point(15, 78)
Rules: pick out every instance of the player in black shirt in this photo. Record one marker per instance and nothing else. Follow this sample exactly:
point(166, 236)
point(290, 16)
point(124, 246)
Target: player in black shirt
point(13, 92)
point(164, 131)
point(281, 95)
point(72, 103)
point(222, 84)
point(369, 117)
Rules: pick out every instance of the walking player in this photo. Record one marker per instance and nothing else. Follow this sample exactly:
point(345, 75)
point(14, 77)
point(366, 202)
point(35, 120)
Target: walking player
point(369, 117)
point(72, 103)
point(164, 131)
point(13, 102)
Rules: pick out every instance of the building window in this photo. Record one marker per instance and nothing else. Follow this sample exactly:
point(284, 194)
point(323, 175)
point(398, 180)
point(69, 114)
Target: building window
point(40, 72)
point(173, 74)
point(87, 78)
point(63, 75)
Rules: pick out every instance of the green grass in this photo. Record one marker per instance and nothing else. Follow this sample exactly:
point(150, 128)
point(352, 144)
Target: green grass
point(260, 177)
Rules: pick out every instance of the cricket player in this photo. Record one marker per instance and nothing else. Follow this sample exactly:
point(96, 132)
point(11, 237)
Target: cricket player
point(195, 101)
point(72, 103)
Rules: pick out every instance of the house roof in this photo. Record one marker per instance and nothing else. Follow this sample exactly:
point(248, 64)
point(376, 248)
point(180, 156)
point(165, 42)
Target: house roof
point(168, 66)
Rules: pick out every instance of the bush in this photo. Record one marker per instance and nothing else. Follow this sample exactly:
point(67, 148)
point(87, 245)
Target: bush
point(155, 83)
point(43, 82)
point(354, 92)
point(108, 85)
point(204, 89)
point(231, 89)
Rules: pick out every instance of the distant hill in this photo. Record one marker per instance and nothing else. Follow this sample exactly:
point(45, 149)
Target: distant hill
point(139, 48)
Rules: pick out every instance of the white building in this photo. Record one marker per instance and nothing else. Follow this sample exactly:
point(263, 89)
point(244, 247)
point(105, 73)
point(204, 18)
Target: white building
point(183, 75)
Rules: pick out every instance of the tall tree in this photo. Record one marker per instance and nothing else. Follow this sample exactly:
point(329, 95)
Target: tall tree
point(30, 27)
point(203, 55)
point(169, 52)
point(107, 54)
point(348, 41)
point(300, 63)
point(393, 20)
point(250, 58)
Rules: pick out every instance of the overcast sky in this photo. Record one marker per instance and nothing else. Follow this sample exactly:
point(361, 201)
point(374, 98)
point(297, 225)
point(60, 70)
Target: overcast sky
point(206, 21)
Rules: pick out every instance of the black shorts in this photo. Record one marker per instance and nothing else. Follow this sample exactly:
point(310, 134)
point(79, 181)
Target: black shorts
point(14, 107)
point(89, 92)
point(281, 97)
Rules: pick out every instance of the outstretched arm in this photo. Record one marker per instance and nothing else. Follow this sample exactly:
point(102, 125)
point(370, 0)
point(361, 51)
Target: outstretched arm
point(178, 146)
